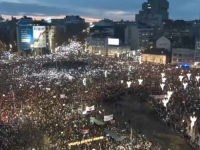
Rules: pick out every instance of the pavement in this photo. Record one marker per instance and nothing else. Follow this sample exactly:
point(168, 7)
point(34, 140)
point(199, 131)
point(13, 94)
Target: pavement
point(143, 118)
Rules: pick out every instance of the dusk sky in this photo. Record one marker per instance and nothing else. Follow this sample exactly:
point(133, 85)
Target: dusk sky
point(94, 9)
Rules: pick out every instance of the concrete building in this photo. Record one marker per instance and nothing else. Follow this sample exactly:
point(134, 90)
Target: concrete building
point(159, 56)
point(35, 37)
point(98, 45)
point(182, 56)
point(153, 7)
point(164, 43)
point(197, 51)
point(138, 36)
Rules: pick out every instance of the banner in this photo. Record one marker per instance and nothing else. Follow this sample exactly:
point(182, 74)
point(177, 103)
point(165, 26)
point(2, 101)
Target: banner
point(62, 95)
point(39, 36)
point(159, 96)
point(108, 117)
point(89, 108)
point(85, 131)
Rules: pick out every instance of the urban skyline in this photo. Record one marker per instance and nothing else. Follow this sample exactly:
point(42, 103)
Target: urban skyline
point(93, 10)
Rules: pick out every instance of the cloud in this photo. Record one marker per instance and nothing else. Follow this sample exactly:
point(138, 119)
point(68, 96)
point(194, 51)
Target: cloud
point(96, 9)
point(19, 7)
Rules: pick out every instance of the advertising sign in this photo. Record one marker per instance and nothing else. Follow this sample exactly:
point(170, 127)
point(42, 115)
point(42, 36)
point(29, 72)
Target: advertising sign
point(112, 41)
point(39, 36)
point(26, 37)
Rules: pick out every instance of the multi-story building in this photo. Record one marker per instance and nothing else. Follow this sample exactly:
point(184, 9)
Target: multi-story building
point(197, 51)
point(195, 28)
point(35, 37)
point(138, 36)
point(96, 43)
point(156, 8)
point(182, 56)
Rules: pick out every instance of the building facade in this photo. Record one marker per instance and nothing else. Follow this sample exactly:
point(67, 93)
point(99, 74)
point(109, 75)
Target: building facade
point(138, 37)
point(197, 51)
point(153, 7)
point(35, 37)
point(159, 56)
point(182, 56)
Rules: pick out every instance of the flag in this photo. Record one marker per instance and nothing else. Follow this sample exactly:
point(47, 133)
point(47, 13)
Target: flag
point(85, 131)
point(62, 95)
point(89, 108)
point(108, 117)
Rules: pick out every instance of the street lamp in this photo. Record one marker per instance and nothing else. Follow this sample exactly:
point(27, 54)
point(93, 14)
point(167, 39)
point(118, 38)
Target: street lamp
point(128, 84)
point(169, 94)
point(197, 78)
point(162, 75)
point(140, 81)
point(162, 85)
point(189, 75)
point(185, 85)
point(181, 78)
point(165, 101)
point(164, 79)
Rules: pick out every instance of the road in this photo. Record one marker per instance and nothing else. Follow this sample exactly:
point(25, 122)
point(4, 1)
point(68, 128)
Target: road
point(143, 118)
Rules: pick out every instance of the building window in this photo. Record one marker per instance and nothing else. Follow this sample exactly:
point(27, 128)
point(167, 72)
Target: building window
point(179, 60)
point(180, 55)
point(175, 54)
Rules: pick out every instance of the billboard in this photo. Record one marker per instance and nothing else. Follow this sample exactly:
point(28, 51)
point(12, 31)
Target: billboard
point(113, 41)
point(26, 37)
point(39, 36)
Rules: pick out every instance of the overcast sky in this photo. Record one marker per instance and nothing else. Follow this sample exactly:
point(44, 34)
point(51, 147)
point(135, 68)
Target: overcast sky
point(95, 9)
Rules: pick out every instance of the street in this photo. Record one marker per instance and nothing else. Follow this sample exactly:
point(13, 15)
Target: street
point(143, 118)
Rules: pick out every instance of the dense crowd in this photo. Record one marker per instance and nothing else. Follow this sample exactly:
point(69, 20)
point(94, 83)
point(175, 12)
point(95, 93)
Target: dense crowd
point(55, 102)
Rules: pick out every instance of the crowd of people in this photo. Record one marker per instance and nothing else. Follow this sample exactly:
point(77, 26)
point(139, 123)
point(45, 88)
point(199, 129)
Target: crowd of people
point(55, 102)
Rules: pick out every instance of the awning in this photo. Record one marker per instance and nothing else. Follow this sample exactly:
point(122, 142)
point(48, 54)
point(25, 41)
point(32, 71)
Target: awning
point(96, 121)
point(114, 135)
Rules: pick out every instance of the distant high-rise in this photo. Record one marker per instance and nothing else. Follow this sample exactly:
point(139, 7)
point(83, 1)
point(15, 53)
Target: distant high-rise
point(153, 8)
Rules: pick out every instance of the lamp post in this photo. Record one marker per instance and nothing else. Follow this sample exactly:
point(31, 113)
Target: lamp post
point(162, 85)
point(197, 78)
point(185, 85)
point(189, 75)
point(164, 79)
point(128, 84)
point(162, 75)
point(140, 81)
point(165, 101)
point(181, 78)
point(193, 119)
point(169, 94)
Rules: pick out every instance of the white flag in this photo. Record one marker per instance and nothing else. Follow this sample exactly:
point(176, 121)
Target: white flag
point(89, 108)
point(62, 95)
point(108, 117)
